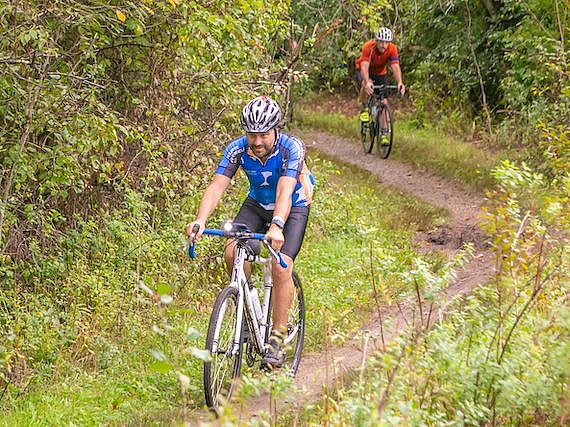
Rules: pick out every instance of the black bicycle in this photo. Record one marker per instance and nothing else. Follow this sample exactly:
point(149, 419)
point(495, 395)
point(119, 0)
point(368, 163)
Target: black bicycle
point(380, 128)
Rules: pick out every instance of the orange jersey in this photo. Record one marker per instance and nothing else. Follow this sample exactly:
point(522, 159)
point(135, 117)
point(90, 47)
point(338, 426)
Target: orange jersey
point(377, 60)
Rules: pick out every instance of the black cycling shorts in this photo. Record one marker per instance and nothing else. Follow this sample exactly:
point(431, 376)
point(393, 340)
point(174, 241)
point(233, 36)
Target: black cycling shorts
point(377, 79)
point(258, 220)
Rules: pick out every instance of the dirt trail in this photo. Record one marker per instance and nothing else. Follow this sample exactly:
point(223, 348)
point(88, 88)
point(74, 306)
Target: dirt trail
point(464, 208)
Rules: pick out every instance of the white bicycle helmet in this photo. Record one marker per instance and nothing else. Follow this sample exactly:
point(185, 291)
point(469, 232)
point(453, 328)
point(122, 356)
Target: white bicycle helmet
point(383, 35)
point(260, 115)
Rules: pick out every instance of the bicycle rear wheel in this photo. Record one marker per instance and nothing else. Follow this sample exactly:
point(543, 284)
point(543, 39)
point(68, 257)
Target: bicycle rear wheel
point(295, 328)
point(385, 135)
point(221, 373)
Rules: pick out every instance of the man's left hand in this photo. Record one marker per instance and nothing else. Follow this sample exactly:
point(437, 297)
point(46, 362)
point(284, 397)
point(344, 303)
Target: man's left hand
point(275, 236)
point(401, 88)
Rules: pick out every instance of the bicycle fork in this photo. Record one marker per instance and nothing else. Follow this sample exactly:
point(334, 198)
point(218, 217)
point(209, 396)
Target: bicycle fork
point(245, 302)
point(267, 287)
point(237, 278)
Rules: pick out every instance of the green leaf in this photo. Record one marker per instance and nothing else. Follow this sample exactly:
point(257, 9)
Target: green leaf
point(158, 355)
point(162, 367)
point(132, 24)
point(192, 333)
point(157, 330)
point(166, 299)
point(162, 289)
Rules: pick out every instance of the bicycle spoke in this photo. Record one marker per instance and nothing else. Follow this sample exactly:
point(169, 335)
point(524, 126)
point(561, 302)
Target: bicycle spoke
point(220, 380)
point(295, 328)
point(223, 368)
point(222, 365)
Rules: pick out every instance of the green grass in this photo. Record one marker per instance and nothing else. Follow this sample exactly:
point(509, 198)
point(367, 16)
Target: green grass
point(426, 148)
point(101, 373)
point(351, 213)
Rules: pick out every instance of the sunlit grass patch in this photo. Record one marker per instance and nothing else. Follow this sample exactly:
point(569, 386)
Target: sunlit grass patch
point(443, 155)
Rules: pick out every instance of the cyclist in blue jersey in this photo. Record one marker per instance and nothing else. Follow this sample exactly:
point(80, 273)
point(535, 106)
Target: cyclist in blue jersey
point(278, 203)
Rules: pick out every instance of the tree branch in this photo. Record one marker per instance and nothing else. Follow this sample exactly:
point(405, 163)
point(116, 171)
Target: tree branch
point(32, 99)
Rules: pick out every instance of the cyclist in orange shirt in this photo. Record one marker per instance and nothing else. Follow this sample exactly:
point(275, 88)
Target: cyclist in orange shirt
point(371, 67)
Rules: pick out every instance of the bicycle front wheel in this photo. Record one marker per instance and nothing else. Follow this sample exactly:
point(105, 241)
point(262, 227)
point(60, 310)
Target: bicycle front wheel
point(367, 136)
point(295, 328)
point(222, 371)
point(385, 129)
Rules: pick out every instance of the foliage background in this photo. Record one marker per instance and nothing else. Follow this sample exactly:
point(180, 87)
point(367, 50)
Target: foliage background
point(499, 68)
point(113, 114)
point(111, 117)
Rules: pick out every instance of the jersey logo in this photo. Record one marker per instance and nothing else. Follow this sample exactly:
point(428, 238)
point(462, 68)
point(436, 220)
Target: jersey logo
point(266, 176)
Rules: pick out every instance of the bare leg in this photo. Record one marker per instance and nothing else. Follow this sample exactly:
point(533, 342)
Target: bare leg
point(363, 96)
point(282, 293)
point(230, 255)
point(384, 114)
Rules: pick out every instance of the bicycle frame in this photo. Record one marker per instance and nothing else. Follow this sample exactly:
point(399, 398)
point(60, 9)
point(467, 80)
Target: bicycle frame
point(245, 299)
point(239, 281)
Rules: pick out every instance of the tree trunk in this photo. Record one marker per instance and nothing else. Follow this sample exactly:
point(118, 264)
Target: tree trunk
point(489, 5)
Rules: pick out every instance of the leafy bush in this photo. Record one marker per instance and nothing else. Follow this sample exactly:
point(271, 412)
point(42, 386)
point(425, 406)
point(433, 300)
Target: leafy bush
point(112, 114)
point(496, 67)
point(501, 356)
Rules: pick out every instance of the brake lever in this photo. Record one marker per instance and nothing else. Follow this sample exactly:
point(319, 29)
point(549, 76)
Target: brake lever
point(191, 243)
point(276, 254)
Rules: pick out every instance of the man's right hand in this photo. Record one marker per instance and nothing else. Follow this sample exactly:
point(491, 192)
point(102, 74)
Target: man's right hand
point(369, 86)
point(191, 232)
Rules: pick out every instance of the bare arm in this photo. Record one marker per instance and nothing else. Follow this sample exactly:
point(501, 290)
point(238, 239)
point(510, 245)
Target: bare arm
point(209, 201)
point(365, 72)
point(398, 76)
point(285, 188)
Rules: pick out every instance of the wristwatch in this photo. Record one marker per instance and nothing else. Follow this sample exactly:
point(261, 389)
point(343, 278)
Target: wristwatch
point(278, 221)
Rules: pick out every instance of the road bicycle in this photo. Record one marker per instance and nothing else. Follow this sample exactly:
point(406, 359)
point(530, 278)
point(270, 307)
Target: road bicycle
point(239, 319)
point(372, 131)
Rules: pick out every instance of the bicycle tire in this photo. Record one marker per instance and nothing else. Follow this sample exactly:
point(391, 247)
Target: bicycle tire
point(384, 150)
point(367, 136)
point(295, 328)
point(368, 131)
point(221, 372)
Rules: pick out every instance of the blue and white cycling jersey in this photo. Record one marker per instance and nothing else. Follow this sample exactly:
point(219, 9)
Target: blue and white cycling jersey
point(288, 159)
